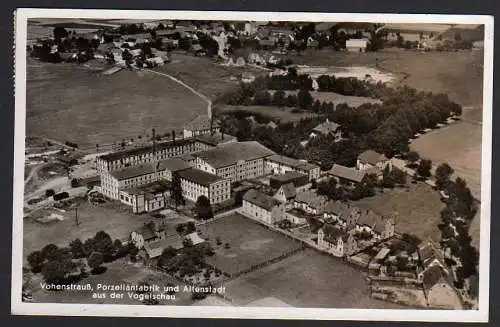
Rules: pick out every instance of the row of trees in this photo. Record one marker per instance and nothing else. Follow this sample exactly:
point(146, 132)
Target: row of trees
point(57, 264)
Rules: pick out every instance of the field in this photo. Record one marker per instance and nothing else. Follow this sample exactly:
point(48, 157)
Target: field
point(459, 74)
point(118, 272)
point(71, 102)
point(307, 279)
point(251, 244)
point(460, 146)
point(418, 209)
point(204, 75)
point(118, 223)
point(274, 113)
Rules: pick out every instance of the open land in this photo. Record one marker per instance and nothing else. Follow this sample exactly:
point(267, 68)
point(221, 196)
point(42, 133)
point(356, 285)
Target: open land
point(91, 108)
point(250, 243)
point(204, 75)
point(274, 113)
point(418, 209)
point(118, 222)
point(307, 279)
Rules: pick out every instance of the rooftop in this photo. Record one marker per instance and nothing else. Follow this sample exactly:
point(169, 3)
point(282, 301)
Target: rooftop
point(333, 233)
point(347, 173)
point(228, 154)
point(154, 249)
point(147, 149)
point(290, 176)
point(371, 157)
point(336, 207)
point(260, 199)
point(291, 162)
point(289, 190)
point(148, 230)
point(199, 177)
point(154, 187)
point(327, 127)
point(215, 138)
point(311, 198)
point(172, 164)
point(432, 276)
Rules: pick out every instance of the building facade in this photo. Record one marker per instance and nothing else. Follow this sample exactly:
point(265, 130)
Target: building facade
point(262, 207)
point(196, 183)
point(278, 164)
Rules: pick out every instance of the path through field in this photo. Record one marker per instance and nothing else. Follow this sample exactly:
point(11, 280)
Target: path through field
point(203, 97)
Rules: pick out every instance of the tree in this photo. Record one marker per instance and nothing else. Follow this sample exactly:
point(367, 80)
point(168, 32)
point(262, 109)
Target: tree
point(180, 228)
point(203, 208)
point(103, 243)
point(304, 99)
point(190, 227)
point(49, 251)
point(49, 193)
point(76, 248)
point(412, 158)
point(95, 261)
point(75, 183)
point(262, 98)
point(167, 254)
point(60, 32)
point(279, 98)
point(57, 270)
point(443, 174)
point(291, 101)
point(424, 168)
point(176, 190)
point(36, 260)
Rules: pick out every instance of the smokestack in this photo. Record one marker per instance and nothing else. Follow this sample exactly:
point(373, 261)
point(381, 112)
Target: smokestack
point(173, 137)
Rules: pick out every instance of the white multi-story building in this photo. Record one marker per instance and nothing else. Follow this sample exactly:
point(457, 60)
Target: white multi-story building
point(234, 161)
point(196, 183)
point(262, 207)
point(279, 165)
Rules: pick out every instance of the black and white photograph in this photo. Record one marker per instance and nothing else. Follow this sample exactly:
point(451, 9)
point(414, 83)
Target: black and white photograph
point(252, 165)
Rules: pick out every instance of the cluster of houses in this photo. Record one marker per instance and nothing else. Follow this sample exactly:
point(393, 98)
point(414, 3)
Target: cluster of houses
point(206, 161)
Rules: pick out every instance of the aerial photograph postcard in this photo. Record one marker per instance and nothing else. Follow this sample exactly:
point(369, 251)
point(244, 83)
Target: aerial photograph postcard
point(280, 165)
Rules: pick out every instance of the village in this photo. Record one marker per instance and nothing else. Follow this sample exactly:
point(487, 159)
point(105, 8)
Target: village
point(218, 202)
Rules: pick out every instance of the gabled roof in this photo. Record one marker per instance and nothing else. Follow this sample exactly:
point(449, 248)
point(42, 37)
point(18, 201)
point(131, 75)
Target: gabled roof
point(228, 154)
point(432, 276)
point(171, 164)
point(425, 252)
point(215, 138)
point(333, 233)
point(326, 127)
point(260, 199)
point(311, 198)
point(336, 207)
point(291, 162)
point(368, 218)
point(202, 122)
point(371, 157)
point(288, 190)
point(199, 177)
point(347, 173)
point(149, 230)
point(194, 238)
point(154, 249)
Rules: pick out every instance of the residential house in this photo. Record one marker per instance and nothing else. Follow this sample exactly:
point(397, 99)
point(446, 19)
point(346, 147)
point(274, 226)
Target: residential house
point(336, 241)
point(297, 216)
point(199, 126)
point(278, 164)
point(312, 43)
point(262, 207)
point(370, 159)
point(286, 194)
point(154, 249)
point(194, 238)
point(327, 128)
point(195, 183)
point(333, 212)
point(146, 234)
point(310, 202)
point(347, 175)
point(356, 45)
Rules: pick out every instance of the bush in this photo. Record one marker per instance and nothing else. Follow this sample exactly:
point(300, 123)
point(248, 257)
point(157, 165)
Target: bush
point(75, 183)
point(50, 192)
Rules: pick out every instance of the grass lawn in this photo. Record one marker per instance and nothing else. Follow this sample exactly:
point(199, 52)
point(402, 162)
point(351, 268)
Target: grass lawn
point(72, 102)
point(307, 279)
point(274, 113)
point(418, 209)
point(251, 243)
point(118, 272)
point(118, 223)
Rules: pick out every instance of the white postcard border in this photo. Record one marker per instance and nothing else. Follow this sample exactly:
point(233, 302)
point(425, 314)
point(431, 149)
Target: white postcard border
point(21, 308)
